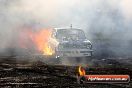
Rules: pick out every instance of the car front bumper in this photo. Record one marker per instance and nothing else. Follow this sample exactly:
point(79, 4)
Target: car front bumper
point(74, 53)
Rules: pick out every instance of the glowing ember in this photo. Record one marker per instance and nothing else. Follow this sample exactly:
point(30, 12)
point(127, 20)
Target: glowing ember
point(81, 71)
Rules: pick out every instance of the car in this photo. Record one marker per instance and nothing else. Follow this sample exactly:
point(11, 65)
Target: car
point(70, 42)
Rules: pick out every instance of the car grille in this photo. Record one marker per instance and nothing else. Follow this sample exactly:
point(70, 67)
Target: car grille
point(75, 46)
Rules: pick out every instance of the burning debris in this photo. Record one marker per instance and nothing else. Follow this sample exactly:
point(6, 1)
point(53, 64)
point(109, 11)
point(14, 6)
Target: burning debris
point(81, 71)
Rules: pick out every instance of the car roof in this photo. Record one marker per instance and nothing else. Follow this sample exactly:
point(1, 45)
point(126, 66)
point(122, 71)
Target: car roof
point(67, 29)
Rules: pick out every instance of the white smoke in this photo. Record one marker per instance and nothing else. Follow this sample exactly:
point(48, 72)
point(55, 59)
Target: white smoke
point(110, 17)
point(126, 9)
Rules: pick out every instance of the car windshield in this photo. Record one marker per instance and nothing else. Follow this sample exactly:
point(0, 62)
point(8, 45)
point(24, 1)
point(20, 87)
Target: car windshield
point(73, 34)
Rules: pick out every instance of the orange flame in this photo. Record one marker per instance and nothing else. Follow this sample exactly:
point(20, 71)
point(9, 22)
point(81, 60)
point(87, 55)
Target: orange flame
point(81, 71)
point(42, 41)
point(38, 39)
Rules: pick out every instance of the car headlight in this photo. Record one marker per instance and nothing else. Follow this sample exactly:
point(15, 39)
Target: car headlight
point(89, 46)
point(86, 41)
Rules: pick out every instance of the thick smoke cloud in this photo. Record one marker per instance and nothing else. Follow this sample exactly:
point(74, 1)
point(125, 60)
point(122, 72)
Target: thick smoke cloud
point(107, 23)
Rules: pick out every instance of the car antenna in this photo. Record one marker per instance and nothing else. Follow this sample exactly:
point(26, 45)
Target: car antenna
point(71, 26)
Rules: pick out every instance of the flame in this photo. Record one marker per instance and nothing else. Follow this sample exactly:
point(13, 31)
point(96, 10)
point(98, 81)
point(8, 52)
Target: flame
point(38, 39)
point(81, 71)
point(42, 41)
